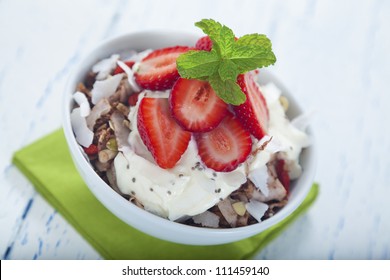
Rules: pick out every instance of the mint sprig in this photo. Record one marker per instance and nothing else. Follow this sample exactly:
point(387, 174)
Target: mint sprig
point(227, 59)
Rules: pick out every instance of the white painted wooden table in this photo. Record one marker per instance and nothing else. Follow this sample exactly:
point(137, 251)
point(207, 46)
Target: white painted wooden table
point(333, 55)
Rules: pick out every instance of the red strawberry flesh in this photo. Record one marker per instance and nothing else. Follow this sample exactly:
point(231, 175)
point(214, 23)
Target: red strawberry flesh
point(253, 113)
point(91, 150)
point(195, 105)
point(133, 98)
point(163, 137)
point(158, 71)
point(226, 146)
point(119, 69)
point(282, 173)
point(204, 43)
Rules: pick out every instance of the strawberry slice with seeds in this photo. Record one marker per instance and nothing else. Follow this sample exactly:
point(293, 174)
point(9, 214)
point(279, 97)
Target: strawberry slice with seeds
point(282, 173)
point(119, 69)
point(253, 113)
point(195, 105)
point(204, 43)
point(163, 137)
point(226, 146)
point(158, 71)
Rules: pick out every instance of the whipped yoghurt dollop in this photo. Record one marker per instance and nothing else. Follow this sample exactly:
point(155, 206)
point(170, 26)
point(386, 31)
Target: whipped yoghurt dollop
point(190, 188)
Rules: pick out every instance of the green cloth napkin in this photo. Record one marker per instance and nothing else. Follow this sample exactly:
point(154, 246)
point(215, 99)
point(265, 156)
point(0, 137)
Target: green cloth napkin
point(48, 165)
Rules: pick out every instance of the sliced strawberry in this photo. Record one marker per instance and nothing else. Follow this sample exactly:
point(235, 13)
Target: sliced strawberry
point(119, 70)
point(195, 105)
point(204, 43)
point(226, 146)
point(282, 173)
point(163, 137)
point(133, 98)
point(253, 113)
point(157, 71)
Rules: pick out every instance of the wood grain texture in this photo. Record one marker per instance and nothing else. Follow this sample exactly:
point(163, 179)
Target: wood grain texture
point(332, 55)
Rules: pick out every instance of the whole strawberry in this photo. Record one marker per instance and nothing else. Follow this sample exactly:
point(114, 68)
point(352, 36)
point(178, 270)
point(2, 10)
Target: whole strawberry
point(204, 43)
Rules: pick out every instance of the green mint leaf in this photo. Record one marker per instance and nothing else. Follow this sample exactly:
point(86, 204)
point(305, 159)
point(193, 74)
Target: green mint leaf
point(248, 58)
point(254, 40)
point(197, 64)
point(225, 42)
point(221, 35)
point(227, 90)
point(227, 59)
point(228, 70)
point(210, 27)
point(252, 51)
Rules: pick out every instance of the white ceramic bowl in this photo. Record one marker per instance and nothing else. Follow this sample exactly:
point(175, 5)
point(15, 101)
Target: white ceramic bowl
point(139, 218)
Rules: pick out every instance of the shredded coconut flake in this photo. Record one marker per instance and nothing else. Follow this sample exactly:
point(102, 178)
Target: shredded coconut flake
point(276, 191)
point(259, 177)
point(141, 55)
point(121, 131)
point(82, 101)
point(101, 108)
point(105, 88)
point(130, 76)
point(105, 66)
point(84, 136)
point(207, 219)
point(257, 209)
point(228, 212)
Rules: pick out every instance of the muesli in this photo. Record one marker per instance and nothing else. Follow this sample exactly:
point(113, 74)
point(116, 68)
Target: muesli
point(187, 133)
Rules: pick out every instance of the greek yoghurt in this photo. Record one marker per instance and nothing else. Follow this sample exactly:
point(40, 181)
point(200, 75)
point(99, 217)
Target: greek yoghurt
point(190, 188)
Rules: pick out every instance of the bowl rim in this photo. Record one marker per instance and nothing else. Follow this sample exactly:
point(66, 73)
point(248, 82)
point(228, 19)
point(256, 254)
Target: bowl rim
point(104, 193)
